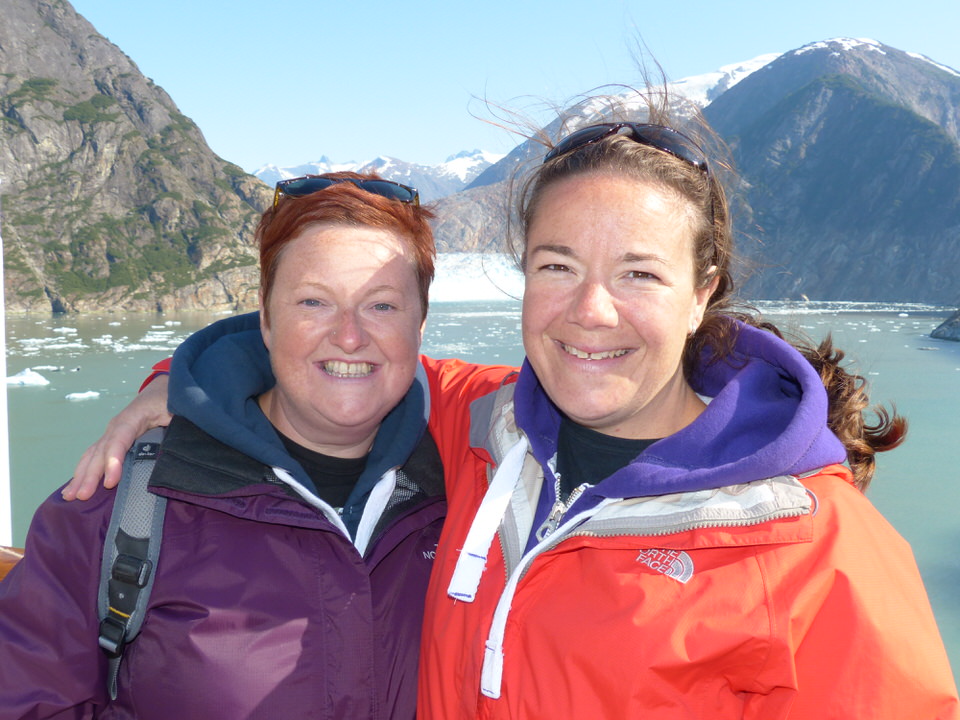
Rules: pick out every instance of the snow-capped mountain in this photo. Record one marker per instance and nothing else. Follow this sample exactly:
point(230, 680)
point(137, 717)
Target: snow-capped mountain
point(703, 89)
point(271, 174)
point(433, 181)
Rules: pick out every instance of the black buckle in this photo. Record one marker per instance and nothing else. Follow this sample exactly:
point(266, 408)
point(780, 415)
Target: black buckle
point(113, 636)
point(131, 570)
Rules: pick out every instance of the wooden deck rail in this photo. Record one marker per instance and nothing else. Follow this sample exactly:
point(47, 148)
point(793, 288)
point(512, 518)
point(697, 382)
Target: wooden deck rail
point(8, 558)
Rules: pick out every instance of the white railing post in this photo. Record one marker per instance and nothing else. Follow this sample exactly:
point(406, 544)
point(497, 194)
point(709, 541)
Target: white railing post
point(6, 504)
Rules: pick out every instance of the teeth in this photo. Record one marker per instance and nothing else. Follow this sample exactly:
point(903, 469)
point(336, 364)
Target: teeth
point(593, 356)
point(338, 368)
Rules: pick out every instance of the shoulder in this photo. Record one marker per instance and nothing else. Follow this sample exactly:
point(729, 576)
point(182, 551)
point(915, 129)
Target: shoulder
point(845, 512)
point(454, 384)
point(853, 550)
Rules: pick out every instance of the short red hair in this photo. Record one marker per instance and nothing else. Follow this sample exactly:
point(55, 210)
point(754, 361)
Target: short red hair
point(346, 204)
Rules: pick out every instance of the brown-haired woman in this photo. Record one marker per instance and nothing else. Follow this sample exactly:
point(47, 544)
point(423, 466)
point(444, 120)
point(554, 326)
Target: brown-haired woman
point(678, 534)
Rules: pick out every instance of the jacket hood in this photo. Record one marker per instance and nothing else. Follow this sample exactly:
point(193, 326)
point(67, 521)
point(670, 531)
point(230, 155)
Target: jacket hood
point(216, 376)
point(767, 416)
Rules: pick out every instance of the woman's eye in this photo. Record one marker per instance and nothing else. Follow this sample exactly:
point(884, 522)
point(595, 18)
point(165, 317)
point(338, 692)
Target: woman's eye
point(555, 267)
point(310, 302)
point(641, 275)
point(383, 307)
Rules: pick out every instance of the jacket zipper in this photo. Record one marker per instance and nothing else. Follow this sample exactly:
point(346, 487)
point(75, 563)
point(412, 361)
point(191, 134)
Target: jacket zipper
point(559, 508)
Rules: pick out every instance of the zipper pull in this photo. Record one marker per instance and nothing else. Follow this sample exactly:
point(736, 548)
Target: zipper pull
point(552, 521)
point(556, 512)
point(559, 509)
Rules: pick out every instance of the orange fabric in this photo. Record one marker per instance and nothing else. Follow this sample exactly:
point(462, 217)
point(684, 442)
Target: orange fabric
point(819, 617)
point(161, 368)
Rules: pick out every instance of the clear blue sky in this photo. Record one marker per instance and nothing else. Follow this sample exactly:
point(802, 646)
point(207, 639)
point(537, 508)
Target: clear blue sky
point(285, 83)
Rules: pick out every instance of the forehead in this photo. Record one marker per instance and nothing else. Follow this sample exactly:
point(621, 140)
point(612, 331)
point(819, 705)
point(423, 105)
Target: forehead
point(319, 248)
point(339, 238)
point(597, 205)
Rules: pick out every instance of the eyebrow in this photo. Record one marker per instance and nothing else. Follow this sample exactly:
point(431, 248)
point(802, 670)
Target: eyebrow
point(559, 249)
point(567, 251)
point(646, 257)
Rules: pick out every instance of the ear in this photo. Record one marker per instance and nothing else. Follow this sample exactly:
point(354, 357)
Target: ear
point(702, 297)
point(264, 324)
point(423, 327)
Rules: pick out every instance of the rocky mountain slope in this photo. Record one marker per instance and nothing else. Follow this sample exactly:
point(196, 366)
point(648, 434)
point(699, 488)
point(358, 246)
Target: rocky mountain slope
point(110, 196)
point(850, 152)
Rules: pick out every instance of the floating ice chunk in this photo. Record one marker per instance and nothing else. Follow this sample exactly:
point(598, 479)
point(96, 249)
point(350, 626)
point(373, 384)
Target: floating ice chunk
point(27, 377)
point(88, 395)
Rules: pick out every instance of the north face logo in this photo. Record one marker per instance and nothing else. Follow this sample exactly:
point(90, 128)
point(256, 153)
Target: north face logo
point(672, 563)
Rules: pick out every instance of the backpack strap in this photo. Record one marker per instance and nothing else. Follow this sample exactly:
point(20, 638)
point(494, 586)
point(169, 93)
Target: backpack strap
point(130, 552)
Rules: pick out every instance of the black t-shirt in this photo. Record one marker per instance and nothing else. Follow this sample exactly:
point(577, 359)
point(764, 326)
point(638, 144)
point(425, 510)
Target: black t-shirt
point(334, 477)
point(588, 456)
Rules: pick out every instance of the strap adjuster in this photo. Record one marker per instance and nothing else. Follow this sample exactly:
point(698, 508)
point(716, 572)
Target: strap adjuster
point(113, 636)
point(131, 570)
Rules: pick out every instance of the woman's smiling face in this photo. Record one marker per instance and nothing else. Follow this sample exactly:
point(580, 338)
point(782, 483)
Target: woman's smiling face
point(344, 328)
point(609, 301)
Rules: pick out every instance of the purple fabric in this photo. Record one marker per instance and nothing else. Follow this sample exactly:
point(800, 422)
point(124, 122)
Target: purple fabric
point(274, 620)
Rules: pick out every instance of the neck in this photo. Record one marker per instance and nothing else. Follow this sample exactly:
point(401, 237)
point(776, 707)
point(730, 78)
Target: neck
point(341, 442)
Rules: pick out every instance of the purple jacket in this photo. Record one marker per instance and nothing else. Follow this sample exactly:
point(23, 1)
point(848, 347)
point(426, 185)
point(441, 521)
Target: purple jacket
point(262, 606)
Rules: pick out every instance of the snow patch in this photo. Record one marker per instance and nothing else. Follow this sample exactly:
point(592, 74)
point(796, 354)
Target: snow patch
point(846, 44)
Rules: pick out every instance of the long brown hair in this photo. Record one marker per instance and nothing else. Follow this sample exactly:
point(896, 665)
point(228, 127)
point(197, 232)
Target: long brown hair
point(714, 257)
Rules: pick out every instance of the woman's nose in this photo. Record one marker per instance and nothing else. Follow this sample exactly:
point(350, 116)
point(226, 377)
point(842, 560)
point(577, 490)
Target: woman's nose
point(348, 333)
point(594, 306)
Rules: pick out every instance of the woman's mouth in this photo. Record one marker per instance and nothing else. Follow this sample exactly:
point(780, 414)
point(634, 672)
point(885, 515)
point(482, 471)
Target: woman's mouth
point(341, 369)
point(583, 355)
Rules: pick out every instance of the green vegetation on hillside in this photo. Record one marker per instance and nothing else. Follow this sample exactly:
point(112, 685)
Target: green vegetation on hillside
point(92, 111)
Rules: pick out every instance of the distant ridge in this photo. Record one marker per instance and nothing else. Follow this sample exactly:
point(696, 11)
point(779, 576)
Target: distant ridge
point(432, 181)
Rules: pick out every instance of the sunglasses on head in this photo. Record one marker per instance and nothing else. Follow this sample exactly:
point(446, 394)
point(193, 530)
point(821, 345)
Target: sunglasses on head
point(309, 184)
point(656, 136)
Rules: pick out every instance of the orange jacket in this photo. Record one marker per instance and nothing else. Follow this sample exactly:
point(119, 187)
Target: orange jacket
point(817, 614)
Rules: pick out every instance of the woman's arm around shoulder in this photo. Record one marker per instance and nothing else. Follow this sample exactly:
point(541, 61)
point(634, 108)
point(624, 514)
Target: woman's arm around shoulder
point(104, 459)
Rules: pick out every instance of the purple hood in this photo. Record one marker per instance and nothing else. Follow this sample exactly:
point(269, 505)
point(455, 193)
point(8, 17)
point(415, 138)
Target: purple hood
point(767, 417)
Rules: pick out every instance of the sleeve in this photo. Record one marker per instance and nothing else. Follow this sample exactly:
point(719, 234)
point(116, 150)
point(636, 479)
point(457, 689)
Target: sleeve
point(51, 665)
point(161, 368)
point(862, 634)
point(454, 385)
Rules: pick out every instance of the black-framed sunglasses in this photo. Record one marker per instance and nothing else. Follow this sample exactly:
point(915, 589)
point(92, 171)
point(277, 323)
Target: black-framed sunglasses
point(657, 136)
point(309, 184)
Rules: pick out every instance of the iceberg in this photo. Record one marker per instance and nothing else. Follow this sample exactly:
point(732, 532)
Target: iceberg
point(27, 377)
point(88, 395)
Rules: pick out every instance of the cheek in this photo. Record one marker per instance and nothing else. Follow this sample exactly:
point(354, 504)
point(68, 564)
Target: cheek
point(536, 309)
